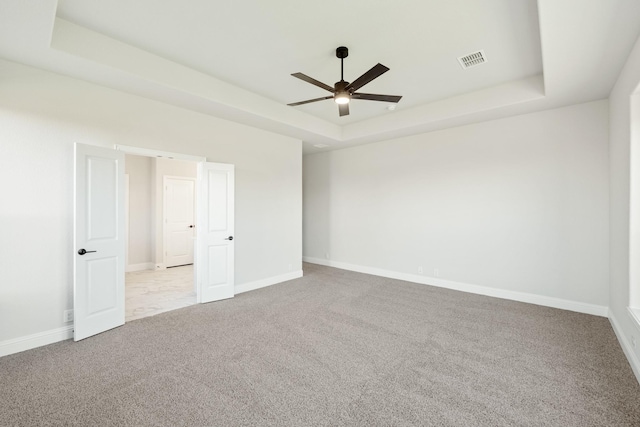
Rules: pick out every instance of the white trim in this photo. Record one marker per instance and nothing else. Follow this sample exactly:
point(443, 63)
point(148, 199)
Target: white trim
point(157, 153)
point(126, 218)
point(251, 286)
point(580, 307)
point(634, 200)
point(140, 267)
point(635, 315)
point(28, 342)
point(627, 348)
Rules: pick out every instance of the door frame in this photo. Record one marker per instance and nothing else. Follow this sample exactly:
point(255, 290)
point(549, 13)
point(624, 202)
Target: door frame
point(126, 221)
point(164, 212)
point(147, 152)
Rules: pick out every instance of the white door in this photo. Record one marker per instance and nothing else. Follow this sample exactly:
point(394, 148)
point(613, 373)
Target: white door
point(99, 244)
point(214, 269)
point(179, 220)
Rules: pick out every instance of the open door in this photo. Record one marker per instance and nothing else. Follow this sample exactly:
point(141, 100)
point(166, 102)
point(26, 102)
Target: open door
point(215, 250)
point(99, 241)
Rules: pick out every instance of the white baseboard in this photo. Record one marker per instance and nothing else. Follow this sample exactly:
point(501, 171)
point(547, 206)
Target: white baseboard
point(627, 348)
point(580, 307)
point(140, 267)
point(28, 342)
point(251, 286)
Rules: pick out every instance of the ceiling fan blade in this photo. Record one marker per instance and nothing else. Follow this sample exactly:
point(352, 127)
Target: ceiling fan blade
point(375, 72)
point(313, 81)
point(374, 97)
point(343, 109)
point(311, 100)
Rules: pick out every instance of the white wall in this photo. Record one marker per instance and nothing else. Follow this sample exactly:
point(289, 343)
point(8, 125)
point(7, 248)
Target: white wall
point(517, 204)
point(141, 216)
point(42, 114)
point(624, 145)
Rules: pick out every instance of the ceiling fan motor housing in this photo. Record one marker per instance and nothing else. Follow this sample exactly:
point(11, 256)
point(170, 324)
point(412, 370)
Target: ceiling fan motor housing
point(341, 86)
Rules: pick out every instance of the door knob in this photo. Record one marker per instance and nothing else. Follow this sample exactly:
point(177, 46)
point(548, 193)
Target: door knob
point(229, 238)
point(83, 251)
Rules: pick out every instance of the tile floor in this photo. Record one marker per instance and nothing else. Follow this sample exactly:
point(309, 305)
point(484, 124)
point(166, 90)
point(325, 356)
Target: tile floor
point(151, 292)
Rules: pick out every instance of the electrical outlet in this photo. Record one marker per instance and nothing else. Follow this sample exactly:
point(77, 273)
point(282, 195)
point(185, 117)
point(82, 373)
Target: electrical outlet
point(326, 255)
point(67, 316)
point(633, 341)
point(436, 272)
point(420, 270)
point(290, 267)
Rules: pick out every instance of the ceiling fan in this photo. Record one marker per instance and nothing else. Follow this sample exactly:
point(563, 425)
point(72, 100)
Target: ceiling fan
point(343, 92)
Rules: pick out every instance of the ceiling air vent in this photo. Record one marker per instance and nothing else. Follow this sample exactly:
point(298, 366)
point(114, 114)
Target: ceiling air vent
point(472, 59)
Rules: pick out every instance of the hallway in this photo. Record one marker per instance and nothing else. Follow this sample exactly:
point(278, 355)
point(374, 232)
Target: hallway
point(150, 292)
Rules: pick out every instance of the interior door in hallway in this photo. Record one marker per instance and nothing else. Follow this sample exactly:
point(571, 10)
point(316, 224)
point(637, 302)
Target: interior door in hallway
point(179, 220)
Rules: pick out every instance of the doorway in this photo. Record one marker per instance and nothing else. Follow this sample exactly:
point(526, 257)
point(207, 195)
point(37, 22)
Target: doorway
point(100, 242)
point(161, 200)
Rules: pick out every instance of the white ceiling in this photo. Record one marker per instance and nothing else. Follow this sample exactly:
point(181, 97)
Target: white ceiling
point(256, 45)
point(234, 59)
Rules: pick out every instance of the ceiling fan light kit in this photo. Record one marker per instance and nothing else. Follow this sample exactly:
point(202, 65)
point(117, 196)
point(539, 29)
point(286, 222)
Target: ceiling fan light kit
point(341, 98)
point(343, 91)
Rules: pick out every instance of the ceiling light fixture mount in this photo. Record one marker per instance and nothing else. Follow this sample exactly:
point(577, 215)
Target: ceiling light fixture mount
point(343, 92)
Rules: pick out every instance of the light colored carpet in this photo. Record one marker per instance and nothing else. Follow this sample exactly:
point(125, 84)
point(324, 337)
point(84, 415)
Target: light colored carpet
point(334, 348)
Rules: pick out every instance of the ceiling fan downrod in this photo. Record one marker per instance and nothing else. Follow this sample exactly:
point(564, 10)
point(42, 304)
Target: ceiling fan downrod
point(342, 52)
